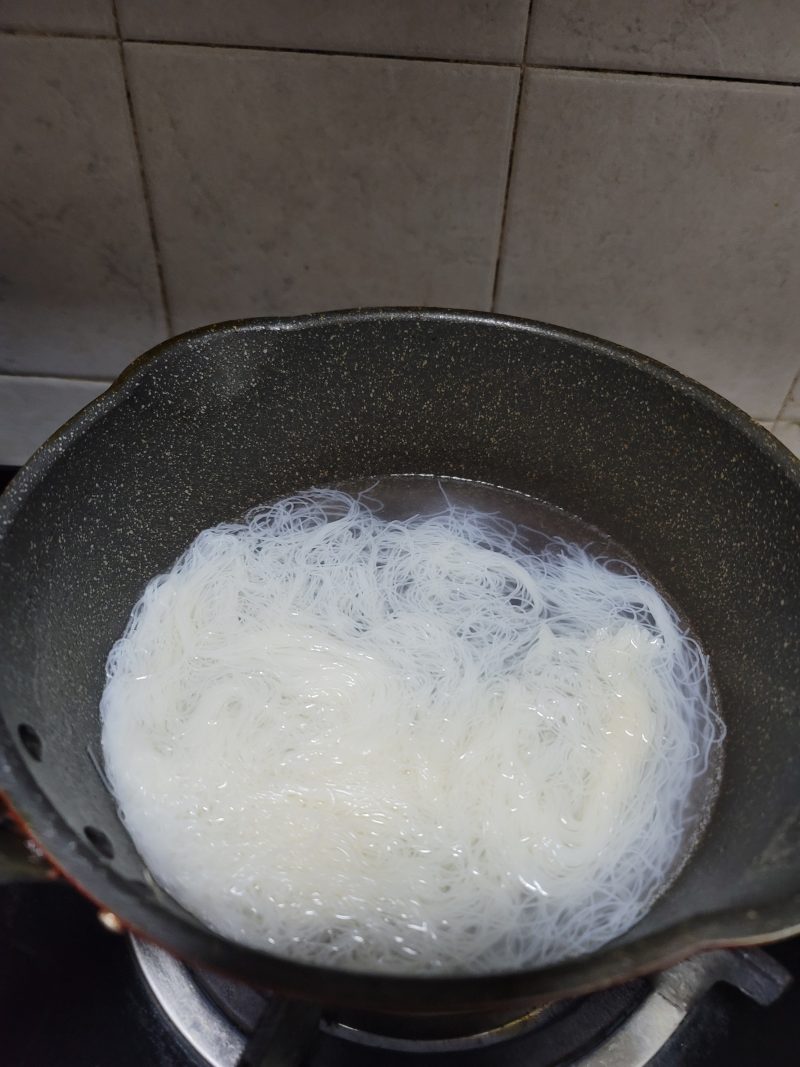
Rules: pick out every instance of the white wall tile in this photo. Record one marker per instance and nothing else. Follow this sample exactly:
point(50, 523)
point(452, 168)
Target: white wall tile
point(788, 432)
point(664, 214)
point(33, 408)
point(790, 409)
point(454, 29)
point(288, 183)
point(734, 38)
point(58, 16)
point(80, 292)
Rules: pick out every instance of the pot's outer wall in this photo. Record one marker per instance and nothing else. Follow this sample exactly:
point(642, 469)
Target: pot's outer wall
point(225, 418)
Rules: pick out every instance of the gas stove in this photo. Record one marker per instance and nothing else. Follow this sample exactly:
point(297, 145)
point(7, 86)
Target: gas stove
point(74, 994)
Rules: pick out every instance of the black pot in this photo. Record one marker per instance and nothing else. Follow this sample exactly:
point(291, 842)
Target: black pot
point(223, 418)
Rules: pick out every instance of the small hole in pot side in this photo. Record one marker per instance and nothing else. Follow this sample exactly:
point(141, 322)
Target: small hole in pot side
point(31, 741)
point(100, 841)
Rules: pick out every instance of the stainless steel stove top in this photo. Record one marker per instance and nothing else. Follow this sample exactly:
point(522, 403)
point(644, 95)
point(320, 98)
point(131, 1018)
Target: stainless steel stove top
point(634, 1025)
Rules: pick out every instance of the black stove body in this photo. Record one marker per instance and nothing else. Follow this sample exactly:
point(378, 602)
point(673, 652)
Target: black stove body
point(74, 994)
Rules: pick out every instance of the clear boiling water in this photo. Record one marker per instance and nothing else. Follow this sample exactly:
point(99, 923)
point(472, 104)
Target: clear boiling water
point(539, 523)
point(402, 496)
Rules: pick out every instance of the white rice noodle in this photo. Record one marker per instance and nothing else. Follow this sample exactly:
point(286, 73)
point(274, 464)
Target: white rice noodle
point(407, 746)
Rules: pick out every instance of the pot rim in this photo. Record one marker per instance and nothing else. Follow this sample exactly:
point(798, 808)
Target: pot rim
point(139, 910)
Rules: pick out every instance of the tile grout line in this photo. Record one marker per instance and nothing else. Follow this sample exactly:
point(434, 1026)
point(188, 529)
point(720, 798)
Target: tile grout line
point(665, 75)
point(286, 49)
point(786, 83)
point(162, 285)
point(785, 402)
point(289, 50)
point(511, 150)
point(71, 35)
point(29, 375)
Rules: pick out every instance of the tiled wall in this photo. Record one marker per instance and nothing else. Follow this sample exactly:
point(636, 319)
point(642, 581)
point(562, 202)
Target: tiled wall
point(627, 168)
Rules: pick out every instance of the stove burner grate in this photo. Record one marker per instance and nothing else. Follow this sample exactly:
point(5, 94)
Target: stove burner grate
point(229, 1024)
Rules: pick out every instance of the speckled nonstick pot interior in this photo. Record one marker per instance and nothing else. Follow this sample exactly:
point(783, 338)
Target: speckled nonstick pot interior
point(223, 418)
